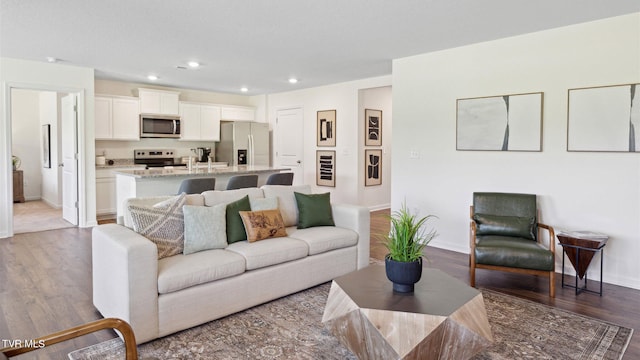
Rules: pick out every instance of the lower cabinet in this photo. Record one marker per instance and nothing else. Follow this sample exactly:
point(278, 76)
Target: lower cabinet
point(106, 189)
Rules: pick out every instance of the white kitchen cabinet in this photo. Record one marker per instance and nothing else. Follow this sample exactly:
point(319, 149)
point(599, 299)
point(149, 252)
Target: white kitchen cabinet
point(103, 118)
point(159, 102)
point(199, 122)
point(106, 189)
point(238, 113)
point(116, 118)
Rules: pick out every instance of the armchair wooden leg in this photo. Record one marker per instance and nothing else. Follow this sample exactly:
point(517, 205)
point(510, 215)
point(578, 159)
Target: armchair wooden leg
point(552, 284)
point(472, 274)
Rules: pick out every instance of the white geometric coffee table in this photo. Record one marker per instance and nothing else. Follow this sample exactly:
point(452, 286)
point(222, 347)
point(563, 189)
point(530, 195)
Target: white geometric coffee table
point(443, 319)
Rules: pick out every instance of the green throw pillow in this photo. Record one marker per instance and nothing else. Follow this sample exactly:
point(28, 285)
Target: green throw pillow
point(314, 210)
point(505, 225)
point(235, 226)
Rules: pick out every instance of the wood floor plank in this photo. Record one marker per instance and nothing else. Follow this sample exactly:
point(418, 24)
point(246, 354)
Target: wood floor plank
point(45, 286)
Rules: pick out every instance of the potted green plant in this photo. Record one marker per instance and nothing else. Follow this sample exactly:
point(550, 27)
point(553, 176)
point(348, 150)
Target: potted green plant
point(15, 161)
point(406, 241)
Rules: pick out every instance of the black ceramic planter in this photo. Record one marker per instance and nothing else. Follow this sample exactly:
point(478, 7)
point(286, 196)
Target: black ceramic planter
point(403, 275)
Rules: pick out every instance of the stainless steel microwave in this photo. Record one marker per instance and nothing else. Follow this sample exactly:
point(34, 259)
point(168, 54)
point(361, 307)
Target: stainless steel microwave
point(159, 126)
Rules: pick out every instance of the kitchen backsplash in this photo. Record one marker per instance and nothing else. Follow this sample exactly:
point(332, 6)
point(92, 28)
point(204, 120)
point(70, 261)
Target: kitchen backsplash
point(124, 149)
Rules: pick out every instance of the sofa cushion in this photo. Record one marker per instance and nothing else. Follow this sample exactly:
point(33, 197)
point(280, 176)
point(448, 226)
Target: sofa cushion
point(270, 252)
point(263, 204)
point(205, 228)
point(513, 252)
point(314, 210)
point(286, 200)
point(164, 226)
point(264, 224)
point(182, 271)
point(324, 238)
point(505, 225)
point(215, 197)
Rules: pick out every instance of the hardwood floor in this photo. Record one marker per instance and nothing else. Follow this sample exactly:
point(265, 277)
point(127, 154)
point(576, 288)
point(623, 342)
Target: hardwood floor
point(45, 286)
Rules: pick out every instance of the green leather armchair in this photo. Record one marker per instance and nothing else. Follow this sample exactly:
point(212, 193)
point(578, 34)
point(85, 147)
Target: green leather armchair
point(504, 236)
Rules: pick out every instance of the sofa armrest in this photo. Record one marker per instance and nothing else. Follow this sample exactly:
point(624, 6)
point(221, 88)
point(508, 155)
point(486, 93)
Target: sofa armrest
point(358, 219)
point(125, 278)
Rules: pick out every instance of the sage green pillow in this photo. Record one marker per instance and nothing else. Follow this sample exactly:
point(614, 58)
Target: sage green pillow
point(505, 225)
point(204, 228)
point(314, 210)
point(235, 226)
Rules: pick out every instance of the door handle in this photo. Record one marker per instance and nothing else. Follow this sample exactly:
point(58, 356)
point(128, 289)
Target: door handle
point(299, 162)
point(61, 165)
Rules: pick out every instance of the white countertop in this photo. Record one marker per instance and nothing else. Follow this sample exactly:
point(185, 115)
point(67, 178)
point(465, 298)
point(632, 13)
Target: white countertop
point(199, 171)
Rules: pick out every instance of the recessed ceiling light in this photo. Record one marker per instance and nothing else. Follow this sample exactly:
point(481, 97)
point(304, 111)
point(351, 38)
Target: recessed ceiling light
point(51, 59)
point(152, 77)
point(193, 64)
point(293, 80)
point(244, 89)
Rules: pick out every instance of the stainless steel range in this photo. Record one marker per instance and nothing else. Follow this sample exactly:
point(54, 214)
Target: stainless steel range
point(156, 158)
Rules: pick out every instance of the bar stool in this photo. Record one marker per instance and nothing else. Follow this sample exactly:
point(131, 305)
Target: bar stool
point(242, 181)
point(197, 185)
point(280, 179)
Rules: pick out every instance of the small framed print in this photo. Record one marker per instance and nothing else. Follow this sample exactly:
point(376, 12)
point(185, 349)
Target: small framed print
point(373, 167)
point(326, 168)
point(326, 135)
point(46, 146)
point(372, 127)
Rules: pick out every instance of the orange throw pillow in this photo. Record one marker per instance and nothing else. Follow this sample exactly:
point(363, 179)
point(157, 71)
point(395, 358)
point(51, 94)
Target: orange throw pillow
point(264, 224)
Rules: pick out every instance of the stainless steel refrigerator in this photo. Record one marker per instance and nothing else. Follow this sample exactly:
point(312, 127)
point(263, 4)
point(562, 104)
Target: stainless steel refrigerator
point(243, 143)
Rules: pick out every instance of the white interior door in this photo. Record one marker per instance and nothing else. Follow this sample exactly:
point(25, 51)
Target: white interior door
point(69, 159)
point(289, 148)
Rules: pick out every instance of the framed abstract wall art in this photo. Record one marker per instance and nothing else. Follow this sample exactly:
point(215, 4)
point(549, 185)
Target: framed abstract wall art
point(500, 123)
point(605, 118)
point(372, 127)
point(326, 133)
point(46, 146)
point(373, 167)
point(326, 168)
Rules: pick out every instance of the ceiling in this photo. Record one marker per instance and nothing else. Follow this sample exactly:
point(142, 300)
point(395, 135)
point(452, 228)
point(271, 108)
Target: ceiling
point(260, 44)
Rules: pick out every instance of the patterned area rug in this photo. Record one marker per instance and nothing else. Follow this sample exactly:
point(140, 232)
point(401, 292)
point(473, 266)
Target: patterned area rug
point(291, 328)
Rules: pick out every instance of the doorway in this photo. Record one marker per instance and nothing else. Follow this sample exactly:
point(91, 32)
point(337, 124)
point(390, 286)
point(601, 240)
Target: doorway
point(39, 137)
point(289, 145)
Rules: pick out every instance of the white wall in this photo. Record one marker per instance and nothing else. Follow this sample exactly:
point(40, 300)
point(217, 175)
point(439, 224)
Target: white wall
point(588, 191)
point(57, 77)
point(120, 88)
point(51, 177)
point(344, 98)
point(25, 110)
point(379, 196)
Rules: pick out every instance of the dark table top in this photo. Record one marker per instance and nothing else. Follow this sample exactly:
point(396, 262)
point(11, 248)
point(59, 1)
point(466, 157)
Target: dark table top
point(436, 293)
point(582, 242)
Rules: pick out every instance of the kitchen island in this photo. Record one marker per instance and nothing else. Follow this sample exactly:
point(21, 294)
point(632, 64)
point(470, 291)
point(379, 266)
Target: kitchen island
point(166, 181)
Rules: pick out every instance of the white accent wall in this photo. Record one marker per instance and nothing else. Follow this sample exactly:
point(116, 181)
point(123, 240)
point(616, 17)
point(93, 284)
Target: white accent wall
point(593, 191)
point(345, 99)
point(25, 105)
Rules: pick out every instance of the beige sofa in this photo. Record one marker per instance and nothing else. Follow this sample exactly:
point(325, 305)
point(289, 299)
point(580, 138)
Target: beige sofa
point(160, 297)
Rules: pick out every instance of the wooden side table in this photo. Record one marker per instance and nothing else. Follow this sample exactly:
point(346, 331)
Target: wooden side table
point(18, 189)
point(580, 248)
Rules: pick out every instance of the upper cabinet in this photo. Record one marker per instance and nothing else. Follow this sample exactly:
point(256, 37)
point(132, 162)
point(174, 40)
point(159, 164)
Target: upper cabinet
point(238, 113)
point(199, 122)
point(159, 102)
point(116, 118)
